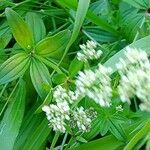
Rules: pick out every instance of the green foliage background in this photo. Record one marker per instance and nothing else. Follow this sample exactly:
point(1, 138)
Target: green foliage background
point(39, 40)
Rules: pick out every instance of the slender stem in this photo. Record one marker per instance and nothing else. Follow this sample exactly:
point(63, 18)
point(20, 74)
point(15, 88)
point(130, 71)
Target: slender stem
point(138, 136)
point(135, 103)
point(54, 140)
point(69, 143)
point(9, 98)
point(54, 24)
point(64, 141)
point(76, 102)
point(3, 90)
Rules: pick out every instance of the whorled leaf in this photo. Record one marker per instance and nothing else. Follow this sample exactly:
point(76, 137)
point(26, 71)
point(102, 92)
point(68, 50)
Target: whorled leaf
point(20, 29)
point(37, 26)
point(12, 119)
point(40, 77)
point(54, 43)
point(14, 67)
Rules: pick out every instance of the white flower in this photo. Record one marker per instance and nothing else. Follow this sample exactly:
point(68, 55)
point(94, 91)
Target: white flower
point(96, 85)
point(82, 120)
point(119, 108)
point(57, 114)
point(88, 52)
point(60, 95)
point(135, 77)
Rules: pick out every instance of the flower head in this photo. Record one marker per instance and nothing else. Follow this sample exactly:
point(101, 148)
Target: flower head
point(96, 85)
point(135, 77)
point(60, 95)
point(88, 51)
point(57, 114)
point(82, 120)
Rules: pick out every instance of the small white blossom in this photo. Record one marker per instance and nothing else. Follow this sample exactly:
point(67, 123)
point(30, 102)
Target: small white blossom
point(96, 85)
point(135, 77)
point(82, 120)
point(119, 108)
point(57, 114)
point(88, 52)
point(61, 95)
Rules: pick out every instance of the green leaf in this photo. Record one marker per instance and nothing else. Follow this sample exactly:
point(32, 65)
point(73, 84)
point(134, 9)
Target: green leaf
point(99, 35)
point(30, 122)
point(141, 4)
point(81, 139)
point(117, 130)
point(80, 16)
point(90, 15)
point(75, 67)
point(59, 78)
point(11, 122)
point(47, 101)
point(38, 137)
point(105, 143)
point(5, 36)
point(79, 19)
point(40, 77)
point(54, 43)
point(130, 21)
point(36, 25)
point(49, 63)
point(140, 44)
point(108, 142)
point(14, 67)
point(20, 29)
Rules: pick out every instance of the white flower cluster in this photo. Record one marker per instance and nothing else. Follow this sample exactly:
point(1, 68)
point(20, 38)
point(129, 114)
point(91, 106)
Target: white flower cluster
point(135, 77)
point(82, 120)
point(88, 52)
point(61, 95)
point(59, 114)
point(96, 85)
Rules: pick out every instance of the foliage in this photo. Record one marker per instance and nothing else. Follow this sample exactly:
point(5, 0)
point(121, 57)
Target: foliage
point(39, 46)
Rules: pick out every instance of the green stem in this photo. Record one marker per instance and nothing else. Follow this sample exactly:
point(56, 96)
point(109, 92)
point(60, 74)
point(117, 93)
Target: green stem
point(138, 136)
point(3, 90)
point(9, 98)
point(76, 102)
point(135, 103)
point(54, 140)
point(64, 141)
point(69, 143)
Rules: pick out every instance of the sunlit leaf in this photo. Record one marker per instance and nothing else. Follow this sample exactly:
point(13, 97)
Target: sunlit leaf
point(20, 29)
point(54, 43)
point(36, 25)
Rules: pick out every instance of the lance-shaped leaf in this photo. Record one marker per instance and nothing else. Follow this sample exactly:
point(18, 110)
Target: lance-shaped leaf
point(141, 4)
point(38, 137)
point(54, 43)
point(40, 77)
point(14, 67)
point(20, 29)
point(36, 24)
point(11, 122)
